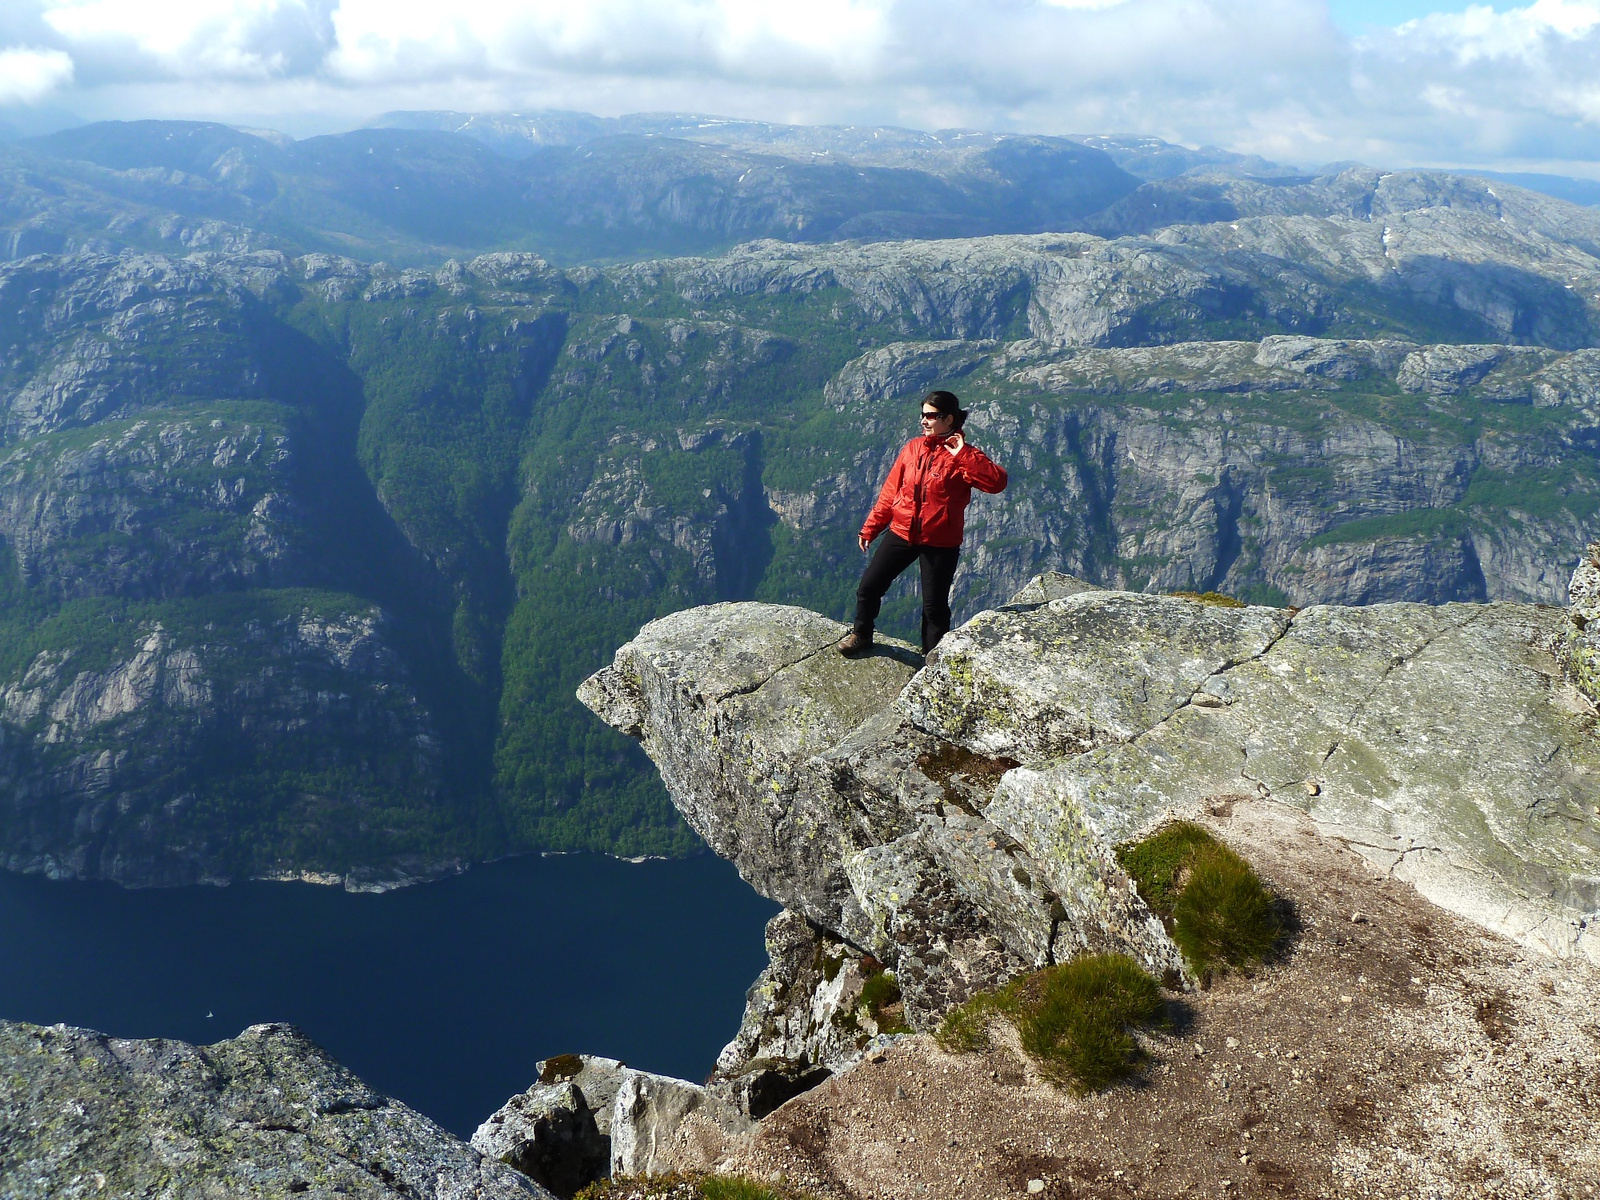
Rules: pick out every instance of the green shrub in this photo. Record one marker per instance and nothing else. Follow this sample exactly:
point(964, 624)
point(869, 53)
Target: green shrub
point(1156, 863)
point(1074, 1020)
point(1217, 909)
point(1224, 913)
point(1078, 1028)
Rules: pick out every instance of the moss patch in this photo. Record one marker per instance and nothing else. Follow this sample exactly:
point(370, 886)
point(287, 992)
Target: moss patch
point(880, 997)
point(1075, 1020)
point(1213, 598)
point(1217, 909)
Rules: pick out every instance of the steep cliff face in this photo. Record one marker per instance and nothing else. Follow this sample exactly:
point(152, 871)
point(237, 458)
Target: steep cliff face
point(263, 1114)
point(93, 514)
point(1311, 470)
point(258, 734)
point(958, 822)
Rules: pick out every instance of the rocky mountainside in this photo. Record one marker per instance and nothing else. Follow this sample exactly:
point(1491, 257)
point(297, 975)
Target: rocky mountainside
point(419, 187)
point(264, 1114)
point(958, 821)
point(412, 194)
point(959, 825)
point(488, 475)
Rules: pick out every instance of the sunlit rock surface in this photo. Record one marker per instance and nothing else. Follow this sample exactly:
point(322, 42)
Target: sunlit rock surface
point(959, 822)
point(263, 1114)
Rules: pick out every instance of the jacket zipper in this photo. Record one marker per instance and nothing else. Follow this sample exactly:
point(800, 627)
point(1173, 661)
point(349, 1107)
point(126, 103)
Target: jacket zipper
point(916, 498)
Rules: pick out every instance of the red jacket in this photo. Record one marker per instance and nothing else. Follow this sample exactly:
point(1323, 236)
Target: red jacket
point(925, 498)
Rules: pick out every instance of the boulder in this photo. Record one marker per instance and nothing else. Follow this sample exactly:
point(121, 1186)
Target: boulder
point(660, 1124)
point(264, 1114)
point(558, 1132)
point(588, 1117)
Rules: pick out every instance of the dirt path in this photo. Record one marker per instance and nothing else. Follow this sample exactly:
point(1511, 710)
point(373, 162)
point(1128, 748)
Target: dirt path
point(1393, 1051)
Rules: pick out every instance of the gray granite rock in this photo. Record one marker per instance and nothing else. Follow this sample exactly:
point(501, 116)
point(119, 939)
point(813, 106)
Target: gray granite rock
point(1579, 649)
point(1440, 742)
point(1051, 585)
point(1079, 672)
point(959, 824)
point(795, 763)
point(265, 1114)
point(558, 1132)
point(801, 1015)
point(654, 1124)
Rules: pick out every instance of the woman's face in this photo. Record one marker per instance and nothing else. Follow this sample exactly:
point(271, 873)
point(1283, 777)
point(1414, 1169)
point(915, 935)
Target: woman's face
point(935, 423)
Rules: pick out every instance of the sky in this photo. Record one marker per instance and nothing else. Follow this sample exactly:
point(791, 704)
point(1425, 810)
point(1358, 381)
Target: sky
point(1404, 83)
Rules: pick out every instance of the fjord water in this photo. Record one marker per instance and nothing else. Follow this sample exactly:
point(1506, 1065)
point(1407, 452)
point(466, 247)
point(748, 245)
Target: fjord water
point(443, 994)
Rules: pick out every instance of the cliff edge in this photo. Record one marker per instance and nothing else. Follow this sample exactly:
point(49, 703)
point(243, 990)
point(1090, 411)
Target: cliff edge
point(957, 820)
point(1418, 784)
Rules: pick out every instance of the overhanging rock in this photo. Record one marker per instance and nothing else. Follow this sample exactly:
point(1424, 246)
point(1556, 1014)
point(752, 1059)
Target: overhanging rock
point(959, 821)
point(792, 762)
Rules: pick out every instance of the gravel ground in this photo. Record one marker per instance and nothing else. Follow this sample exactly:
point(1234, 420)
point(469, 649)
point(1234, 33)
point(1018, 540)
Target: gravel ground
point(1392, 1050)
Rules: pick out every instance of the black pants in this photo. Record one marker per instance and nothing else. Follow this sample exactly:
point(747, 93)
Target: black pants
point(893, 556)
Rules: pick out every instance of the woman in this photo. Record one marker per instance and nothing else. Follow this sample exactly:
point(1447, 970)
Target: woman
point(923, 507)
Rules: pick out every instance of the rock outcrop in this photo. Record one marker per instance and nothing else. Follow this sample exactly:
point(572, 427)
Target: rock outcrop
point(1579, 650)
point(264, 1114)
point(587, 1117)
point(958, 822)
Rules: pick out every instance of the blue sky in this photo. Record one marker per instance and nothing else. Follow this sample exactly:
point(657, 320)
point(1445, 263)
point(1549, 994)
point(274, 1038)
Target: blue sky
point(1514, 86)
point(1358, 16)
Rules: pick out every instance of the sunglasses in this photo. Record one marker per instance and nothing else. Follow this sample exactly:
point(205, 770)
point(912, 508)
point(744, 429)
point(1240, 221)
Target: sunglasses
point(933, 416)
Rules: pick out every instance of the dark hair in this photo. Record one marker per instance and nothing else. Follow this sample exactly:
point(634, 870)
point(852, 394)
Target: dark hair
point(946, 404)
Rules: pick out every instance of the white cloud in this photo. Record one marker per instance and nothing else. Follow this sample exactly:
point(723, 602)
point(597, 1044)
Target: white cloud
point(27, 75)
point(1271, 76)
point(1519, 82)
point(1480, 33)
point(198, 39)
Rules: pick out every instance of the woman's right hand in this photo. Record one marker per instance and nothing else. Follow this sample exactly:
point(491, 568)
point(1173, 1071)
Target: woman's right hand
point(861, 540)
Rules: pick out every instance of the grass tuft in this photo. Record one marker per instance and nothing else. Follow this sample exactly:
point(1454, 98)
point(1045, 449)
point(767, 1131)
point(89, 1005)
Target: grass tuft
point(1157, 863)
point(1074, 1020)
point(1225, 914)
point(1078, 1029)
point(735, 1187)
point(1216, 599)
point(1216, 907)
point(965, 1029)
point(880, 999)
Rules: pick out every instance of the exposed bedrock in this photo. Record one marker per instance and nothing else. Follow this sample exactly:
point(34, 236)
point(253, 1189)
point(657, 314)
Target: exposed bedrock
point(958, 822)
point(588, 1117)
point(264, 1114)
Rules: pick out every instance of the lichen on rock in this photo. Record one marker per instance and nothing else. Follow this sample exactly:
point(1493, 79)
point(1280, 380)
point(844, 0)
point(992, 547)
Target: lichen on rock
point(264, 1114)
point(1579, 650)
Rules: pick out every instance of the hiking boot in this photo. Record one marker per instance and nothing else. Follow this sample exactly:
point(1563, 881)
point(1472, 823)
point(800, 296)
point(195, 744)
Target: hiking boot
point(855, 644)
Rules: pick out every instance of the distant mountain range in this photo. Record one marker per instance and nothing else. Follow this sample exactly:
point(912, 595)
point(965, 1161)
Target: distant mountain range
point(419, 187)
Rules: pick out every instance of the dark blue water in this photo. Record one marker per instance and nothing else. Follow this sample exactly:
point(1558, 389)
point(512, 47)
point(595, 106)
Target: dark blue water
point(444, 994)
